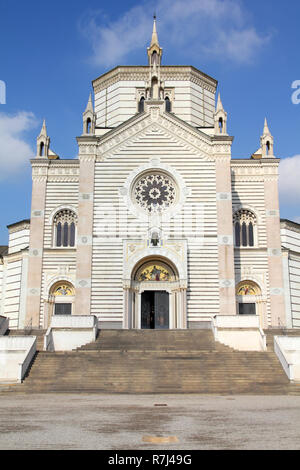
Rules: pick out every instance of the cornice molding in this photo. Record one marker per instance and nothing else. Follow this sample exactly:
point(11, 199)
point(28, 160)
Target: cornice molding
point(254, 170)
point(290, 225)
point(274, 162)
point(65, 163)
point(19, 228)
point(87, 158)
point(40, 163)
point(63, 179)
point(249, 178)
point(39, 178)
point(141, 73)
point(62, 171)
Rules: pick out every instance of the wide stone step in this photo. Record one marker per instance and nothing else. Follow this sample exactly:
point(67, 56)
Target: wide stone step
point(156, 362)
point(154, 339)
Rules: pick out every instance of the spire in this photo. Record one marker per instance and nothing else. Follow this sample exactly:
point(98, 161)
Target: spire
point(220, 118)
point(267, 142)
point(89, 106)
point(219, 104)
point(266, 128)
point(44, 129)
point(154, 39)
point(89, 118)
point(154, 51)
point(43, 142)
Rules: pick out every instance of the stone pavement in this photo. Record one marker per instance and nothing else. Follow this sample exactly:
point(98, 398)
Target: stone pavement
point(138, 422)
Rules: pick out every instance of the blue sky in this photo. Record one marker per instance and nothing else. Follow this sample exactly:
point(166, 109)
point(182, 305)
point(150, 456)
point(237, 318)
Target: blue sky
point(51, 51)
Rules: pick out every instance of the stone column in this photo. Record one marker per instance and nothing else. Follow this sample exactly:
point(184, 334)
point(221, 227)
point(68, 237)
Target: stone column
point(23, 293)
point(138, 324)
point(276, 287)
point(127, 320)
point(225, 236)
point(184, 313)
point(85, 230)
point(36, 243)
point(171, 311)
point(287, 288)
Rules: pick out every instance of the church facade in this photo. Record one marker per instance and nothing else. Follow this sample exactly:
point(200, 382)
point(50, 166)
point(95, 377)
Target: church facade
point(154, 225)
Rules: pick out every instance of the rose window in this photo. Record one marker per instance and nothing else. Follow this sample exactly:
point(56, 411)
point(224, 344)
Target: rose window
point(155, 192)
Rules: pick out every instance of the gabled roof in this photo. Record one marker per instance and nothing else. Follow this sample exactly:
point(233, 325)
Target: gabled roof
point(139, 116)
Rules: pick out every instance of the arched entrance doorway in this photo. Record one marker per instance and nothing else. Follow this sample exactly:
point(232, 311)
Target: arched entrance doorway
point(155, 310)
point(248, 297)
point(156, 299)
point(155, 304)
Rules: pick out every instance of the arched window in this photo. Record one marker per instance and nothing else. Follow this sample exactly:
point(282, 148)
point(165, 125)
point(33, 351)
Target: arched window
point(62, 296)
point(168, 104)
point(65, 228)
point(221, 125)
point(244, 228)
point(248, 293)
point(154, 58)
point(88, 126)
point(42, 149)
point(142, 105)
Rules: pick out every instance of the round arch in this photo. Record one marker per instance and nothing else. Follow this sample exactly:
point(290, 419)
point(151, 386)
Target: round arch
point(155, 269)
point(62, 288)
point(61, 299)
point(157, 279)
point(249, 298)
point(167, 256)
point(248, 287)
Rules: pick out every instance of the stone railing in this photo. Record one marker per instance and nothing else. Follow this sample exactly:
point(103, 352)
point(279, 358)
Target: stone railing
point(241, 332)
point(68, 332)
point(287, 349)
point(73, 321)
point(4, 322)
point(16, 354)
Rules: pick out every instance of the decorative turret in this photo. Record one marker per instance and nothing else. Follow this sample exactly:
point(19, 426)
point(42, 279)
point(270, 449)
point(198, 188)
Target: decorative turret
point(267, 142)
point(154, 51)
point(43, 142)
point(266, 149)
point(89, 118)
point(220, 118)
point(155, 86)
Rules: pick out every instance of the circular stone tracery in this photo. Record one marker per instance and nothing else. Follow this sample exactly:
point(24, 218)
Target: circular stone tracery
point(155, 192)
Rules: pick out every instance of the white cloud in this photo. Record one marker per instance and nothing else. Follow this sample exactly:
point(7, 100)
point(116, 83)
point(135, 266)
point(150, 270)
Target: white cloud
point(289, 180)
point(14, 150)
point(218, 28)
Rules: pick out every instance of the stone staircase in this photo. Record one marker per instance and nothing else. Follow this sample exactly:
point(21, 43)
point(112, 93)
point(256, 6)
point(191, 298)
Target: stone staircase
point(153, 361)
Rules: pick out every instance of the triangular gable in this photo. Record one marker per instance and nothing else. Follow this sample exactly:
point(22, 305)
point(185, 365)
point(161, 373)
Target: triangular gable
point(162, 126)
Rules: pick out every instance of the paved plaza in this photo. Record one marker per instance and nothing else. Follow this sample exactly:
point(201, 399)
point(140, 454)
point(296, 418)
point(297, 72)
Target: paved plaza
point(140, 422)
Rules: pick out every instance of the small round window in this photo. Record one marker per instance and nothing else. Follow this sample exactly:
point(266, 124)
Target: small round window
point(155, 192)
